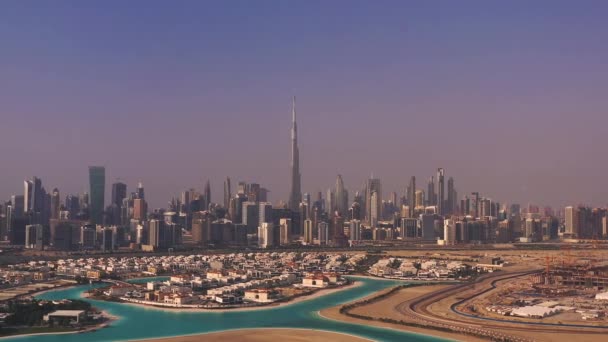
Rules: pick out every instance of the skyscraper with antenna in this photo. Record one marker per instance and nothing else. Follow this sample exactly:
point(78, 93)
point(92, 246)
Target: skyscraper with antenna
point(295, 194)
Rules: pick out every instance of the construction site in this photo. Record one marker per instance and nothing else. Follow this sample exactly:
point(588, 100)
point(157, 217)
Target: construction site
point(571, 289)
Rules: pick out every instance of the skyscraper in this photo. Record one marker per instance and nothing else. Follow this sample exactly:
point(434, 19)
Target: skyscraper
point(308, 233)
point(411, 196)
point(430, 194)
point(440, 192)
point(571, 221)
point(140, 209)
point(373, 204)
point(55, 204)
point(330, 202)
point(207, 196)
point(341, 196)
point(140, 191)
point(451, 202)
point(295, 195)
point(419, 202)
point(119, 192)
point(227, 193)
point(97, 183)
point(27, 195)
point(33, 198)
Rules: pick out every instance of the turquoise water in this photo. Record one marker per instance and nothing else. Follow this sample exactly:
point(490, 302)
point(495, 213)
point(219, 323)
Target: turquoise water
point(140, 322)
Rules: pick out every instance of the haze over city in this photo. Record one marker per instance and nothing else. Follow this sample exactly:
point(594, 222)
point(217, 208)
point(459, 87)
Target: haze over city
point(508, 98)
point(347, 170)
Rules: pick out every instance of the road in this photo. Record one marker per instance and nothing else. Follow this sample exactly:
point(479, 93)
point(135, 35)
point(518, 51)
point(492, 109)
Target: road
point(418, 310)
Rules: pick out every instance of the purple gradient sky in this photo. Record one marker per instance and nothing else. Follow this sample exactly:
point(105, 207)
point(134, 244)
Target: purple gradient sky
point(509, 97)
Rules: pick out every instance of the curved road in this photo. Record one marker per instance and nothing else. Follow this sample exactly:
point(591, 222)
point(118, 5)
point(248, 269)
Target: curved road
point(417, 310)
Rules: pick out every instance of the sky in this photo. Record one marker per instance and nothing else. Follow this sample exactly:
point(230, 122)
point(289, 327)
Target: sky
point(510, 97)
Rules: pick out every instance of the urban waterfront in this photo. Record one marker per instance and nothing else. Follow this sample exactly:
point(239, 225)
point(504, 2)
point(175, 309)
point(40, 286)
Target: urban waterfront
point(145, 323)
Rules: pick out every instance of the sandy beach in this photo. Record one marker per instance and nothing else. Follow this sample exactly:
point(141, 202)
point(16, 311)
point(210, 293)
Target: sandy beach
point(262, 334)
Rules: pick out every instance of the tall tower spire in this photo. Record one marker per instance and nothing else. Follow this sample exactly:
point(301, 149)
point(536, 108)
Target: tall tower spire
point(293, 111)
point(295, 195)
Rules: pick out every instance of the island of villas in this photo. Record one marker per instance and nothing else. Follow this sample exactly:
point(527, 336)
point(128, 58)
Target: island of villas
point(458, 295)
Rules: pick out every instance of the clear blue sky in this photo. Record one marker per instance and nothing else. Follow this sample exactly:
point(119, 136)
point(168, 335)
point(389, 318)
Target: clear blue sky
point(509, 97)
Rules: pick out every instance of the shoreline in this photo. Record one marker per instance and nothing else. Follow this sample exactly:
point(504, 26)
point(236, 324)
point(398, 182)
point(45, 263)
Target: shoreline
point(110, 318)
point(411, 281)
point(317, 294)
point(423, 334)
point(333, 314)
point(57, 288)
point(203, 335)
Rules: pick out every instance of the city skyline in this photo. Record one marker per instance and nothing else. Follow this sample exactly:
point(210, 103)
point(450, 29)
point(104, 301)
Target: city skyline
point(504, 110)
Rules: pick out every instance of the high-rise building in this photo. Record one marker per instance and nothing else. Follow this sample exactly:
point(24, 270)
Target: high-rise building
point(330, 202)
point(375, 208)
point(411, 196)
point(206, 196)
point(119, 192)
point(431, 196)
point(201, 226)
point(285, 229)
point(251, 216)
point(449, 232)
point(427, 223)
point(55, 204)
point(373, 187)
point(485, 207)
point(28, 195)
point(355, 230)
point(34, 198)
point(155, 238)
point(65, 234)
point(253, 192)
point(72, 205)
point(34, 236)
point(17, 205)
point(451, 201)
point(88, 237)
point(419, 196)
point(97, 182)
point(572, 221)
point(409, 228)
point(393, 199)
point(108, 239)
point(265, 212)
point(227, 193)
point(140, 209)
point(140, 191)
point(266, 235)
point(341, 196)
point(241, 188)
point(440, 191)
point(354, 211)
point(308, 234)
point(323, 233)
point(295, 194)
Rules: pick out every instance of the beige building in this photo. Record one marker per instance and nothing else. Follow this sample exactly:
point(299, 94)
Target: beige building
point(317, 280)
point(261, 296)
